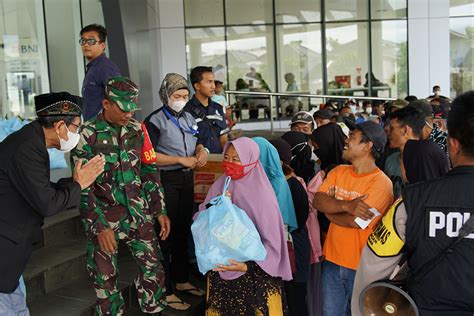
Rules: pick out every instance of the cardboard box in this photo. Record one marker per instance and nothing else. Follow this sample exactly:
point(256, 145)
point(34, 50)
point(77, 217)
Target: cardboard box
point(205, 176)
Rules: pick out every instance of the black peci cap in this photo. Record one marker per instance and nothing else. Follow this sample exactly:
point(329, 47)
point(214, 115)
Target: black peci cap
point(58, 104)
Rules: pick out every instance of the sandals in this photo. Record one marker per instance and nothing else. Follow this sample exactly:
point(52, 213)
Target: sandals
point(193, 291)
point(184, 306)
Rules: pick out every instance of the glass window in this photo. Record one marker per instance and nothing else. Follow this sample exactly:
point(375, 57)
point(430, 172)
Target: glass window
point(297, 11)
point(251, 57)
point(251, 62)
point(23, 62)
point(248, 11)
point(347, 58)
point(461, 7)
point(299, 58)
point(388, 9)
point(462, 55)
point(389, 58)
point(206, 47)
point(343, 10)
point(204, 12)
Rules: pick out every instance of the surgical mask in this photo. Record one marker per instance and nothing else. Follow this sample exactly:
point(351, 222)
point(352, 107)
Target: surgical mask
point(353, 109)
point(70, 143)
point(177, 105)
point(236, 171)
point(368, 110)
point(437, 92)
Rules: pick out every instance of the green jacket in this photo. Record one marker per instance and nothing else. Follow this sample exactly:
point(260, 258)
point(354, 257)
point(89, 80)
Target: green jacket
point(127, 190)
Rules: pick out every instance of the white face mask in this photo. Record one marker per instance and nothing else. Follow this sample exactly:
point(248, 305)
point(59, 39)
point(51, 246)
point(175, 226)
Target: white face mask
point(437, 92)
point(178, 105)
point(368, 110)
point(71, 142)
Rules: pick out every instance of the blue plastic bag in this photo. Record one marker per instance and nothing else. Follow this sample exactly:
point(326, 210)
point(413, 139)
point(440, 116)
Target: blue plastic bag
point(223, 232)
point(56, 159)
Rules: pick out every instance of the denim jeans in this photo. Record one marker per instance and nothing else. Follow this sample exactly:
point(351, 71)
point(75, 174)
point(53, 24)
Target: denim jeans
point(337, 284)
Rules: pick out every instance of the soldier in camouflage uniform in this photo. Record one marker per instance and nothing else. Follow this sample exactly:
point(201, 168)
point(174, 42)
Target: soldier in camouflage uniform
point(123, 201)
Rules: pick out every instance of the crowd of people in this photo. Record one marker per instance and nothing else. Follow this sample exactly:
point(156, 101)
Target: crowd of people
point(339, 201)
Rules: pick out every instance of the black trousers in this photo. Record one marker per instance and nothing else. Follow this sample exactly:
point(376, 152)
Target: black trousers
point(179, 198)
point(296, 298)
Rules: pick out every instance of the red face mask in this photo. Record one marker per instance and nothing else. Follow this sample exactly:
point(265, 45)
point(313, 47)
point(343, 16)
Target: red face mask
point(235, 171)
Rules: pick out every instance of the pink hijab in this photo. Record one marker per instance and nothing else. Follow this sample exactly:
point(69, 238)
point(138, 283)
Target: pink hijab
point(254, 194)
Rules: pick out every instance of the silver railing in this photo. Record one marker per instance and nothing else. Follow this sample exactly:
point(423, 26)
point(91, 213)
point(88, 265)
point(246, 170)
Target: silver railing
point(273, 95)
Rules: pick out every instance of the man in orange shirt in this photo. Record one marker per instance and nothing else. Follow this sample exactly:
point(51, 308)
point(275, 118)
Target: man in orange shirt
point(350, 192)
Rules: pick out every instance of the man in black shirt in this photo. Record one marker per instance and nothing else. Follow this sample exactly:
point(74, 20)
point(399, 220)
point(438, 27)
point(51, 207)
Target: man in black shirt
point(209, 115)
point(26, 194)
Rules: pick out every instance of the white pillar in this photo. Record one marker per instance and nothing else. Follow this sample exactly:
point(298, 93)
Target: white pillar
point(428, 46)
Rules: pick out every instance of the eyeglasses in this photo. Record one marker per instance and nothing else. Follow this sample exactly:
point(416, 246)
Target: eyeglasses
point(88, 41)
point(79, 127)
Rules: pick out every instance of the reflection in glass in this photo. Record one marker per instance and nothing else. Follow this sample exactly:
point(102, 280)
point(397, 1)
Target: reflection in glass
point(388, 9)
point(343, 10)
point(299, 64)
point(248, 11)
point(461, 7)
point(299, 54)
point(206, 47)
point(347, 58)
point(204, 12)
point(23, 64)
point(251, 67)
point(462, 55)
point(296, 11)
point(251, 57)
point(390, 58)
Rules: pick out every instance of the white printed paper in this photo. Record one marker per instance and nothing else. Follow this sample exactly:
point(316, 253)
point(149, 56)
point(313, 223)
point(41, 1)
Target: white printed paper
point(364, 223)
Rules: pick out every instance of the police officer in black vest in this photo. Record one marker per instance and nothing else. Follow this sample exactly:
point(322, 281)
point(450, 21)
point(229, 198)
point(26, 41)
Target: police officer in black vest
point(26, 194)
point(429, 221)
point(436, 211)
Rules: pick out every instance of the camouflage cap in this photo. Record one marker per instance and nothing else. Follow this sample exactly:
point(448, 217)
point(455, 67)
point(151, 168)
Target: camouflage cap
point(172, 83)
point(58, 104)
point(124, 92)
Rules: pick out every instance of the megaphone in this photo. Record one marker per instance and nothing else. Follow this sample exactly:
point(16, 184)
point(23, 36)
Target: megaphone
point(386, 299)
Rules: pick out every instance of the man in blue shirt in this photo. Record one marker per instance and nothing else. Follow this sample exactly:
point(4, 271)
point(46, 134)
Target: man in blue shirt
point(209, 115)
point(98, 70)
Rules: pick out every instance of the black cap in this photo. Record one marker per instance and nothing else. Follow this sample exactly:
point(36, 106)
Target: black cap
point(58, 103)
point(324, 113)
point(423, 106)
point(302, 117)
point(373, 131)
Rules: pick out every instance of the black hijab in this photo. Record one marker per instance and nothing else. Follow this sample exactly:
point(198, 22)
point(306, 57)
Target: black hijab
point(283, 148)
point(301, 155)
point(330, 140)
point(424, 160)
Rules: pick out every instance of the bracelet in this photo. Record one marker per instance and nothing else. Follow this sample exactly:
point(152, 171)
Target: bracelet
point(204, 148)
